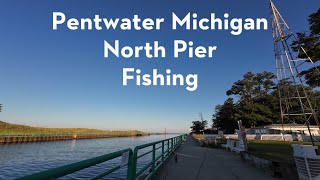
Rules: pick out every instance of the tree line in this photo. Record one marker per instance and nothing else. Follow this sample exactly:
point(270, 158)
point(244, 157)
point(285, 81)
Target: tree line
point(255, 98)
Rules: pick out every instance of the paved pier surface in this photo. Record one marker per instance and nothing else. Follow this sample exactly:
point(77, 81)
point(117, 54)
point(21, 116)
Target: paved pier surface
point(200, 163)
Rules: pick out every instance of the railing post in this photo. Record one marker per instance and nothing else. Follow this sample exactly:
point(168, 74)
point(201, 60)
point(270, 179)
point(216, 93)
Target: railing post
point(162, 156)
point(130, 166)
point(177, 142)
point(168, 147)
point(153, 157)
point(171, 144)
point(133, 167)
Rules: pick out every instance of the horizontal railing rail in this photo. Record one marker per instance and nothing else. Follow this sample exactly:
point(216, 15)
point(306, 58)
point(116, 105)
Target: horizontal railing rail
point(74, 167)
point(129, 159)
point(167, 146)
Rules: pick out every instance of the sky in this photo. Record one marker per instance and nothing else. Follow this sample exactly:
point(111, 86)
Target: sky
point(61, 78)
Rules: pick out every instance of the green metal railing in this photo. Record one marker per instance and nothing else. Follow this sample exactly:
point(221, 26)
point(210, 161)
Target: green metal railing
point(167, 147)
point(129, 158)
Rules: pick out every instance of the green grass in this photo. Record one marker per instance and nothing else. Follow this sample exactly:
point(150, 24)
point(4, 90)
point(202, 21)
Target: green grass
point(16, 129)
point(280, 151)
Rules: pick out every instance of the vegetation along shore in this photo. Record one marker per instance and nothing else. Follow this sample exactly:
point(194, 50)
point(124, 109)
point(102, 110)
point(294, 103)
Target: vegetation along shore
point(14, 133)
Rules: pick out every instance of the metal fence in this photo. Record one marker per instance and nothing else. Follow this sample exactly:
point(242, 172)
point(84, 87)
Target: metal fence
point(129, 159)
point(270, 137)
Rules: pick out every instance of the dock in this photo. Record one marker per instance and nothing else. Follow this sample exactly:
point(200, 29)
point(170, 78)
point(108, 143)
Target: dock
point(193, 162)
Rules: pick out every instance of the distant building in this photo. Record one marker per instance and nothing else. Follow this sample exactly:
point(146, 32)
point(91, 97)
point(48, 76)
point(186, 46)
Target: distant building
point(288, 128)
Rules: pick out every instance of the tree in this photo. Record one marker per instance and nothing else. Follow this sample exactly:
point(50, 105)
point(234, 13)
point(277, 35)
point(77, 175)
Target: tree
point(198, 126)
point(255, 106)
point(258, 103)
point(203, 122)
point(288, 87)
point(311, 43)
point(223, 118)
point(255, 101)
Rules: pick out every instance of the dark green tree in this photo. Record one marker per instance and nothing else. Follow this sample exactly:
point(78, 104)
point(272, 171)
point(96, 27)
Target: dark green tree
point(311, 43)
point(198, 126)
point(258, 103)
point(255, 99)
point(223, 118)
point(288, 87)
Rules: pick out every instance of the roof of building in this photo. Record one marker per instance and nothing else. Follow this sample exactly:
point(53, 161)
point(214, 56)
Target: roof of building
point(285, 125)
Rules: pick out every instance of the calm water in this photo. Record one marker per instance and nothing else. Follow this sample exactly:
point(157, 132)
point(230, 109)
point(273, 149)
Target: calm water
point(17, 160)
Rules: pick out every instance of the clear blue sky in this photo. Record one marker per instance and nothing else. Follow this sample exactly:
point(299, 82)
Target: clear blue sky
point(61, 79)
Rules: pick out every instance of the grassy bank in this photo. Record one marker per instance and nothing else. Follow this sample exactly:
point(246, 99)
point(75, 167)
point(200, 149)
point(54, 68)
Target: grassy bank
point(16, 129)
point(280, 151)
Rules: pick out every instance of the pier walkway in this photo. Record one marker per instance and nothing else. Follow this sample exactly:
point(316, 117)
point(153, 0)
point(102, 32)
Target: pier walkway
point(199, 163)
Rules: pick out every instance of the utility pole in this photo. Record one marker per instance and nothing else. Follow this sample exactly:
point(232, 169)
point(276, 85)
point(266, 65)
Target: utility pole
point(292, 85)
point(202, 123)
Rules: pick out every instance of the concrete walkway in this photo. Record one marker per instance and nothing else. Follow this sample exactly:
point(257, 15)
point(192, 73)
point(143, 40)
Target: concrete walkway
point(199, 163)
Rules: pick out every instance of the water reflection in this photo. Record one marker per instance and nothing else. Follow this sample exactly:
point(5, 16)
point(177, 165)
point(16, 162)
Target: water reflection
point(18, 160)
point(73, 144)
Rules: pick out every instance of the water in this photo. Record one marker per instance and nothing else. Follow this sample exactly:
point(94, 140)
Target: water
point(18, 160)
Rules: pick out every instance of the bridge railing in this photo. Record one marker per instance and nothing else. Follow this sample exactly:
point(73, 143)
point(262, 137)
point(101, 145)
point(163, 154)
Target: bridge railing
point(129, 159)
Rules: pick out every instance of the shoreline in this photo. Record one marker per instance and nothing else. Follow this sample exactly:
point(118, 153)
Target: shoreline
point(15, 133)
point(12, 139)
